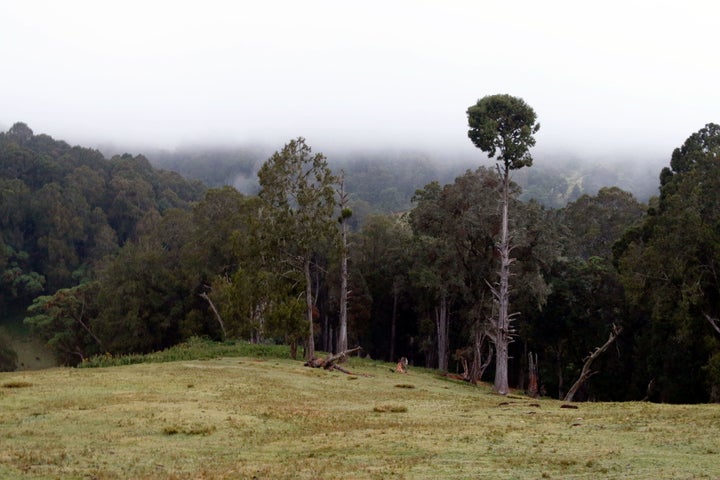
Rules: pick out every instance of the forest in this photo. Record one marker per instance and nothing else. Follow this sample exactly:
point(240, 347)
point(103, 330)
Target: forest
point(112, 256)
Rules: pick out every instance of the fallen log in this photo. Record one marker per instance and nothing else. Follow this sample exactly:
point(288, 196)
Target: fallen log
point(330, 362)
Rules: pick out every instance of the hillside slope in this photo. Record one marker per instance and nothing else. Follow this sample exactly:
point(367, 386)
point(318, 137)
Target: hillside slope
point(275, 419)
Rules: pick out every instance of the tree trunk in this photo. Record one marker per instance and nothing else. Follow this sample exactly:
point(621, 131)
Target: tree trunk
point(393, 322)
point(87, 328)
point(559, 371)
point(586, 372)
point(441, 322)
point(217, 314)
point(342, 334)
point(479, 365)
point(310, 352)
point(533, 389)
point(503, 333)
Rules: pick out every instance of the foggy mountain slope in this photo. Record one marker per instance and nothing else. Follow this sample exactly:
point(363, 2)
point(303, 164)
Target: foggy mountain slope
point(385, 182)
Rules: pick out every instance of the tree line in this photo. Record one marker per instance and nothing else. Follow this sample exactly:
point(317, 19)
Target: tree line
point(113, 256)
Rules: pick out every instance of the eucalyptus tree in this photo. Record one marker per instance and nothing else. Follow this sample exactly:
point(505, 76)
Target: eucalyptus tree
point(455, 226)
point(345, 214)
point(669, 267)
point(298, 193)
point(503, 125)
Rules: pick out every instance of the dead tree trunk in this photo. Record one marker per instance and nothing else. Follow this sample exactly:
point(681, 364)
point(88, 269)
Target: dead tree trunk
point(586, 373)
point(714, 322)
point(502, 332)
point(217, 314)
point(331, 361)
point(480, 344)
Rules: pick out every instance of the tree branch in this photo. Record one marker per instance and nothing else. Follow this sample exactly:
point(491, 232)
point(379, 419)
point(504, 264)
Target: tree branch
point(586, 372)
point(714, 322)
point(217, 314)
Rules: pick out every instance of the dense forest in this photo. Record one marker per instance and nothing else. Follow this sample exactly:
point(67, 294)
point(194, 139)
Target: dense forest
point(112, 256)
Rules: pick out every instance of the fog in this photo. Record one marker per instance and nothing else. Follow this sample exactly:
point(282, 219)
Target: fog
point(611, 80)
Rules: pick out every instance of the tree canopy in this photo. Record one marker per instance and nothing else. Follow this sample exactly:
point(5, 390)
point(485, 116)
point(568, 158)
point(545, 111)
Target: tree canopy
point(504, 125)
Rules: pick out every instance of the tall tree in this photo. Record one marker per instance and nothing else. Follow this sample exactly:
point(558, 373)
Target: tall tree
point(435, 270)
point(345, 214)
point(503, 124)
point(455, 226)
point(297, 188)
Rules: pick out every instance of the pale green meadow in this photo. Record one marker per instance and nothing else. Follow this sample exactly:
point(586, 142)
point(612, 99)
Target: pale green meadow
point(268, 418)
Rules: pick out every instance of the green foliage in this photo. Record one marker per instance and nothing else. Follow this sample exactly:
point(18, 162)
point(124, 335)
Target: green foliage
point(382, 256)
point(298, 189)
point(63, 320)
point(63, 208)
point(298, 194)
point(455, 226)
point(506, 124)
point(195, 348)
point(596, 222)
point(586, 299)
point(668, 268)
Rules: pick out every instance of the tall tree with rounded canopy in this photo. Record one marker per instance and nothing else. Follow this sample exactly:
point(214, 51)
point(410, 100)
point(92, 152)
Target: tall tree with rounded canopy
point(503, 125)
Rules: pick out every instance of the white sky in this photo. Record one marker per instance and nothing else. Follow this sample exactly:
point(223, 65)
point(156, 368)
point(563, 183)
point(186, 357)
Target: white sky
point(604, 77)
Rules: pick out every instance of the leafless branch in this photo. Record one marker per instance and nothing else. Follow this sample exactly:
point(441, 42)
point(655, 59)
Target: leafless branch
point(714, 322)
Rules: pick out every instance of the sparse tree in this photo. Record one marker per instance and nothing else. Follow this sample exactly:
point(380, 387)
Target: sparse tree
point(503, 124)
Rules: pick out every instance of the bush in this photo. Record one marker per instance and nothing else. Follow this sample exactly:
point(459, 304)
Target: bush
point(194, 349)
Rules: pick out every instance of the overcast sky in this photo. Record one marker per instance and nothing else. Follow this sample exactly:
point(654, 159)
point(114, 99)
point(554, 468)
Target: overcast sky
point(635, 77)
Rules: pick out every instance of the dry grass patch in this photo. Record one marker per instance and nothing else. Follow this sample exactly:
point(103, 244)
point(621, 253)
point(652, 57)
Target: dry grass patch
point(16, 384)
point(237, 418)
point(390, 409)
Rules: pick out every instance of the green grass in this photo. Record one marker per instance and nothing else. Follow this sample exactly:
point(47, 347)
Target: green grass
point(271, 418)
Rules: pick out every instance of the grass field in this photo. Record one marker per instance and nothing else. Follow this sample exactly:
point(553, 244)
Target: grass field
point(267, 418)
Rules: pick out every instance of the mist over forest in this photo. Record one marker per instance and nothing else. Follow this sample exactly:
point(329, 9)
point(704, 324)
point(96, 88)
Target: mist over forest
point(384, 180)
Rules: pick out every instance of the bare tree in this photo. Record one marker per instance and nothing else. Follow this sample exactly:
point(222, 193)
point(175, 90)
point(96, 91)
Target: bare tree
point(586, 373)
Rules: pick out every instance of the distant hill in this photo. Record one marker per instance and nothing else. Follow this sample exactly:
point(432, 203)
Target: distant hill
point(63, 208)
point(385, 182)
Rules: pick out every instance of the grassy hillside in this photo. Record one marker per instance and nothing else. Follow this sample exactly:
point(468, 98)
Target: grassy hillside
point(269, 418)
